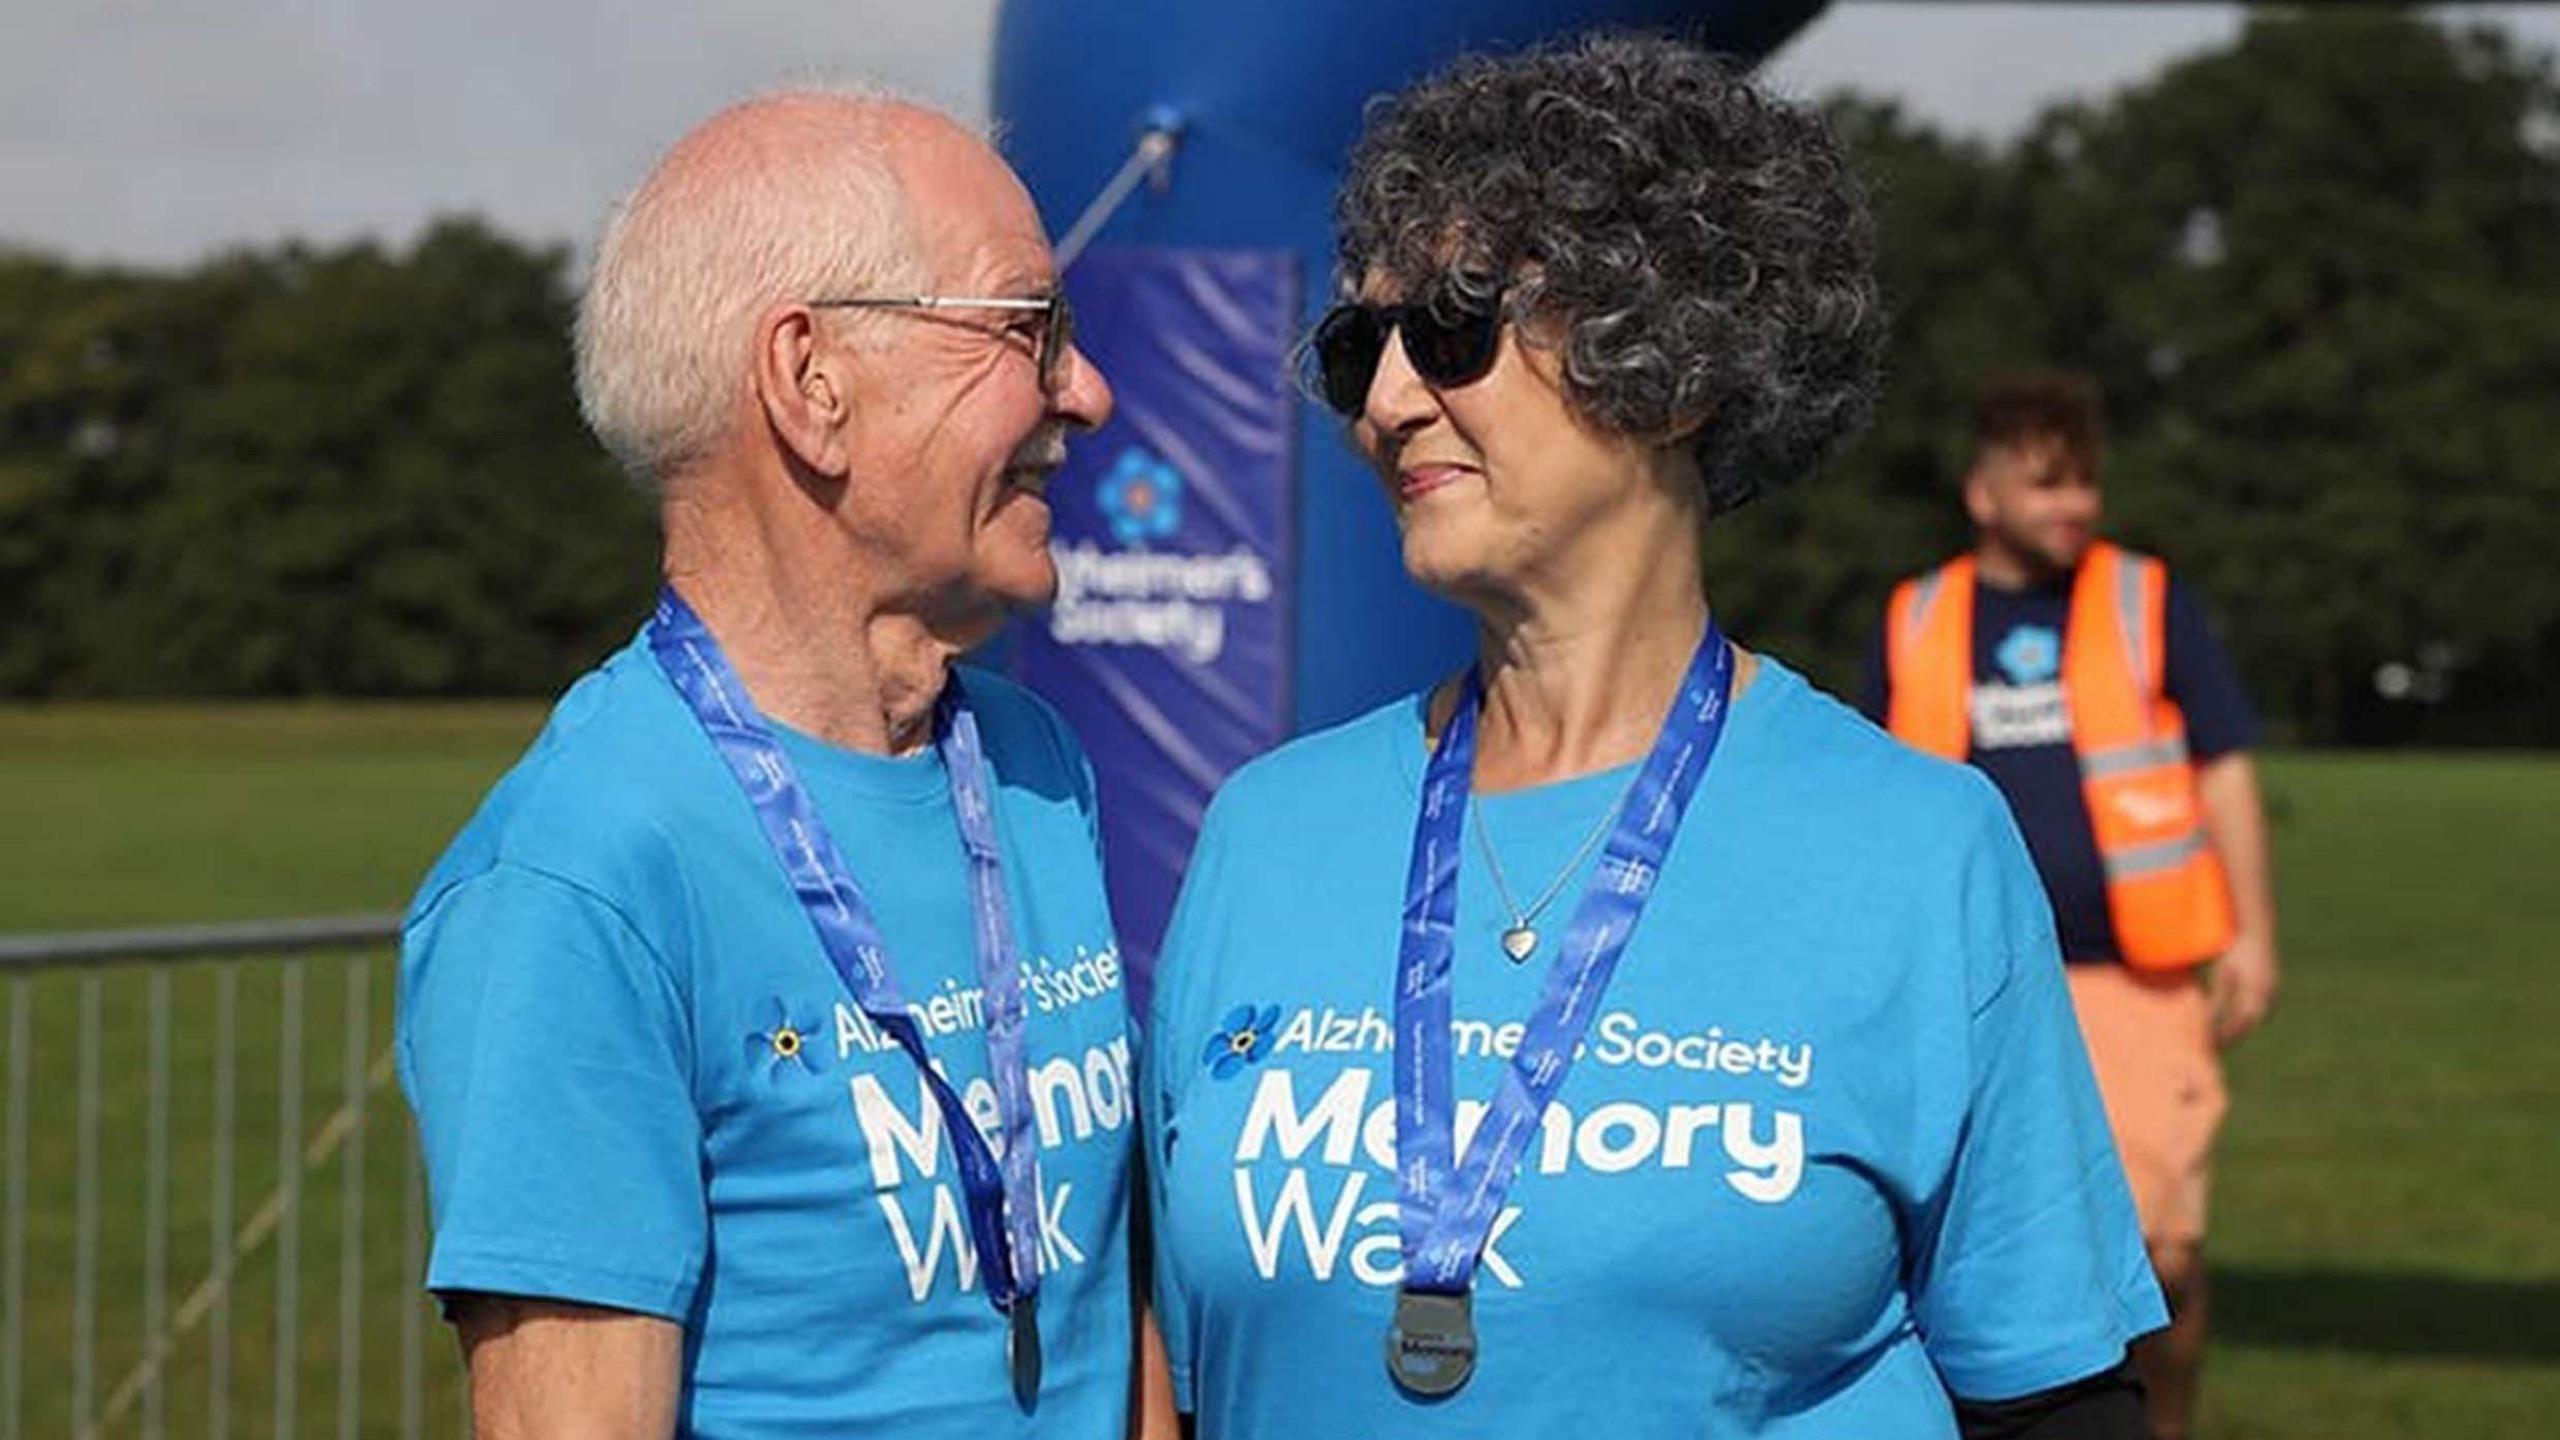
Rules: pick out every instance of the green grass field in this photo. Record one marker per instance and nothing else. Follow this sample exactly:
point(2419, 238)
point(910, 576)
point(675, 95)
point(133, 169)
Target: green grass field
point(133, 815)
point(2386, 1246)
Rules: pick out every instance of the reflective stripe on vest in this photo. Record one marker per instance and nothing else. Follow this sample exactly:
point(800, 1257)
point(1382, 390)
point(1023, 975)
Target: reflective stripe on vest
point(2165, 888)
point(2145, 859)
point(2125, 759)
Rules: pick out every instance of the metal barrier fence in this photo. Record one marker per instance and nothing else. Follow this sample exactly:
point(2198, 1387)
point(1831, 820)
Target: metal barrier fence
point(195, 1123)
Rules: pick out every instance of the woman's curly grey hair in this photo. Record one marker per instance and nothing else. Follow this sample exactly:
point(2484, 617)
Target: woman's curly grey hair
point(1702, 250)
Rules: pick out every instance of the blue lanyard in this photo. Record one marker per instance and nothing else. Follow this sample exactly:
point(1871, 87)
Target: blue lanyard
point(1447, 1206)
point(998, 1196)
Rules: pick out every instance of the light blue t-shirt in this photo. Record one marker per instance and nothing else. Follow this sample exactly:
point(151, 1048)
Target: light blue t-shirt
point(1830, 1153)
point(640, 1084)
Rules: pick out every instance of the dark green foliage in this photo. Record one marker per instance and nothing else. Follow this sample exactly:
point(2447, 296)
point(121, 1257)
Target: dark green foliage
point(2318, 274)
point(2319, 277)
point(305, 472)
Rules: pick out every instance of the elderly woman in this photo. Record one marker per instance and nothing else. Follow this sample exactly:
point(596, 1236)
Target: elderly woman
point(1623, 1036)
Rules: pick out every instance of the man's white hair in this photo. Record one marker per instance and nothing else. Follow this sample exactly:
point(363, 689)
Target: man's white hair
point(785, 197)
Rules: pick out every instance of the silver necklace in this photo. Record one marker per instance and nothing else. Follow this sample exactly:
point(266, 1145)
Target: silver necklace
point(1520, 939)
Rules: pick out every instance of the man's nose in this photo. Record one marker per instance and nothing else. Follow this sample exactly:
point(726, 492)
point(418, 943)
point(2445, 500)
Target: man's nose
point(1084, 397)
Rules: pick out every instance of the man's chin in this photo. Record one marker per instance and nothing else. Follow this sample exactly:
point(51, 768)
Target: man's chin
point(1036, 588)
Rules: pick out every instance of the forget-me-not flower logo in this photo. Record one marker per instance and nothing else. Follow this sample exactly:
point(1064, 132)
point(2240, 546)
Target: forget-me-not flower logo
point(784, 1044)
point(1142, 498)
point(2031, 654)
point(1242, 1039)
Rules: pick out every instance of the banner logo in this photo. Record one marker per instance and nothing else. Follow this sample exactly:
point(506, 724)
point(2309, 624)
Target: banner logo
point(1142, 498)
point(1133, 593)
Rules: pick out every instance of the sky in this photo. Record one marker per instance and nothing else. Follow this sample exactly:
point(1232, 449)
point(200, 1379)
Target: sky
point(157, 131)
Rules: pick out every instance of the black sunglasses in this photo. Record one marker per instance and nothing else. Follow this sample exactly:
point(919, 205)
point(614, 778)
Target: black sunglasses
point(1449, 339)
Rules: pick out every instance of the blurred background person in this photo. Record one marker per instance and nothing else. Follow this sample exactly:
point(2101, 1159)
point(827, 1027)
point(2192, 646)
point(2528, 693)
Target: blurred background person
point(2085, 681)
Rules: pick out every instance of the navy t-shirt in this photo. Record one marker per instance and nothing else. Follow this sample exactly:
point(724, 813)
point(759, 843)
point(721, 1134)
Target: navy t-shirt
point(2021, 732)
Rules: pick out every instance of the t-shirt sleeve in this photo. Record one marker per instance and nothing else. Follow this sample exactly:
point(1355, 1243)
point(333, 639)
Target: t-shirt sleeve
point(1162, 1073)
point(2029, 1269)
point(2202, 679)
point(1875, 685)
point(547, 1053)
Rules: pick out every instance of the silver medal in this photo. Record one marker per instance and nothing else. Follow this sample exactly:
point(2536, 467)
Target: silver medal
point(1431, 1347)
point(1022, 1348)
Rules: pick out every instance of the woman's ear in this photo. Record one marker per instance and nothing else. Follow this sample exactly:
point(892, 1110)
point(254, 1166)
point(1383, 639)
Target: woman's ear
point(1675, 459)
point(1684, 430)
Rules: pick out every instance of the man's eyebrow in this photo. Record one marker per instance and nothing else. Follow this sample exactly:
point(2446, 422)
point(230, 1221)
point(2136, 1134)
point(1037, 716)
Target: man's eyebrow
point(1023, 284)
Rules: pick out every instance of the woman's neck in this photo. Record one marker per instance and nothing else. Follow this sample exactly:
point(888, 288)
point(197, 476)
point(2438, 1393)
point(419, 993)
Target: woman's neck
point(1580, 681)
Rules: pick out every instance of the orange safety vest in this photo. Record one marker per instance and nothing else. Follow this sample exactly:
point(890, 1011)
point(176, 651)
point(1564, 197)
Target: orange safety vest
point(2165, 887)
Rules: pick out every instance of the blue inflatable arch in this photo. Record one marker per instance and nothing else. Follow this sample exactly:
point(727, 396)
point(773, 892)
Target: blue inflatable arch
point(1231, 575)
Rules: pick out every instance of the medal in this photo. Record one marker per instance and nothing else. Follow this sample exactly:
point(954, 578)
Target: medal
point(1022, 1347)
point(1431, 1347)
point(1446, 1205)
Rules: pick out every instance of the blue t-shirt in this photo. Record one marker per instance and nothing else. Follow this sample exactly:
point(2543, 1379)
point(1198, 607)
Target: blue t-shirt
point(2021, 734)
point(639, 1083)
point(1830, 1152)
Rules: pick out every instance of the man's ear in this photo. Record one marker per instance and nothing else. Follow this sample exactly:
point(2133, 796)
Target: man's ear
point(804, 388)
point(1977, 495)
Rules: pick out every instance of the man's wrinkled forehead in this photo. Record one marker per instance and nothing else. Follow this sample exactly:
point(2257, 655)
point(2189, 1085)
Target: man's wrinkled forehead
point(973, 219)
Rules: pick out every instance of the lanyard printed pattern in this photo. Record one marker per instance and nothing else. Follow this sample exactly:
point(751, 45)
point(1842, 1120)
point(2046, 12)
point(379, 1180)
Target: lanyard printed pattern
point(1446, 1205)
point(1003, 1199)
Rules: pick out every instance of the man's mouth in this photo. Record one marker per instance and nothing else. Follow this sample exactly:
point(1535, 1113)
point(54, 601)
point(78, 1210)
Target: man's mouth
point(1032, 479)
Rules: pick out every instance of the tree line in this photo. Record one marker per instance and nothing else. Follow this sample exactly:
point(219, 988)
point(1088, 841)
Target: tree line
point(2316, 272)
point(305, 472)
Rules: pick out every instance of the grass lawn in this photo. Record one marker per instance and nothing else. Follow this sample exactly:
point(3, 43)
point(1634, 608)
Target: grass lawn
point(151, 814)
point(2388, 1262)
point(2385, 1241)
point(163, 814)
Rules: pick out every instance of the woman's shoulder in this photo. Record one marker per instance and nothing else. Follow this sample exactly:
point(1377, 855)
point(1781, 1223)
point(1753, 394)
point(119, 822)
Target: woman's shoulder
point(1826, 758)
point(1910, 835)
point(1308, 778)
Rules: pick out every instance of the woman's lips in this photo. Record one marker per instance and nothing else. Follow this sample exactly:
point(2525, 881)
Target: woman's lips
point(1419, 480)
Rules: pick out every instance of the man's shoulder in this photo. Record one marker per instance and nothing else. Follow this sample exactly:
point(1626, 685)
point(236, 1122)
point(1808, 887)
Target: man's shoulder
point(1936, 573)
point(1020, 726)
point(596, 797)
point(1937, 569)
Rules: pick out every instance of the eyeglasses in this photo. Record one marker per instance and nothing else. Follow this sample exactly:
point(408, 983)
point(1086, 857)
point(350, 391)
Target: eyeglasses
point(1450, 340)
point(1057, 322)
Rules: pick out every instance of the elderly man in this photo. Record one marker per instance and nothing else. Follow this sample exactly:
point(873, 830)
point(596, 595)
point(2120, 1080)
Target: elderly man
point(764, 1028)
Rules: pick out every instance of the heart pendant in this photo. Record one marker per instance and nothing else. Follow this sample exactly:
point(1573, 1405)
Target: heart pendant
point(1518, 941)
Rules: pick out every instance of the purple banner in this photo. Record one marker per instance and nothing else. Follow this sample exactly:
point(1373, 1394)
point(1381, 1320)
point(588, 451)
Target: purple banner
point(1169, 647)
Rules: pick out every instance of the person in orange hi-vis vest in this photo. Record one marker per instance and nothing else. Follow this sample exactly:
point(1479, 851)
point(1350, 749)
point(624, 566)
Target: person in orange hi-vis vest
point(2085, 682)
